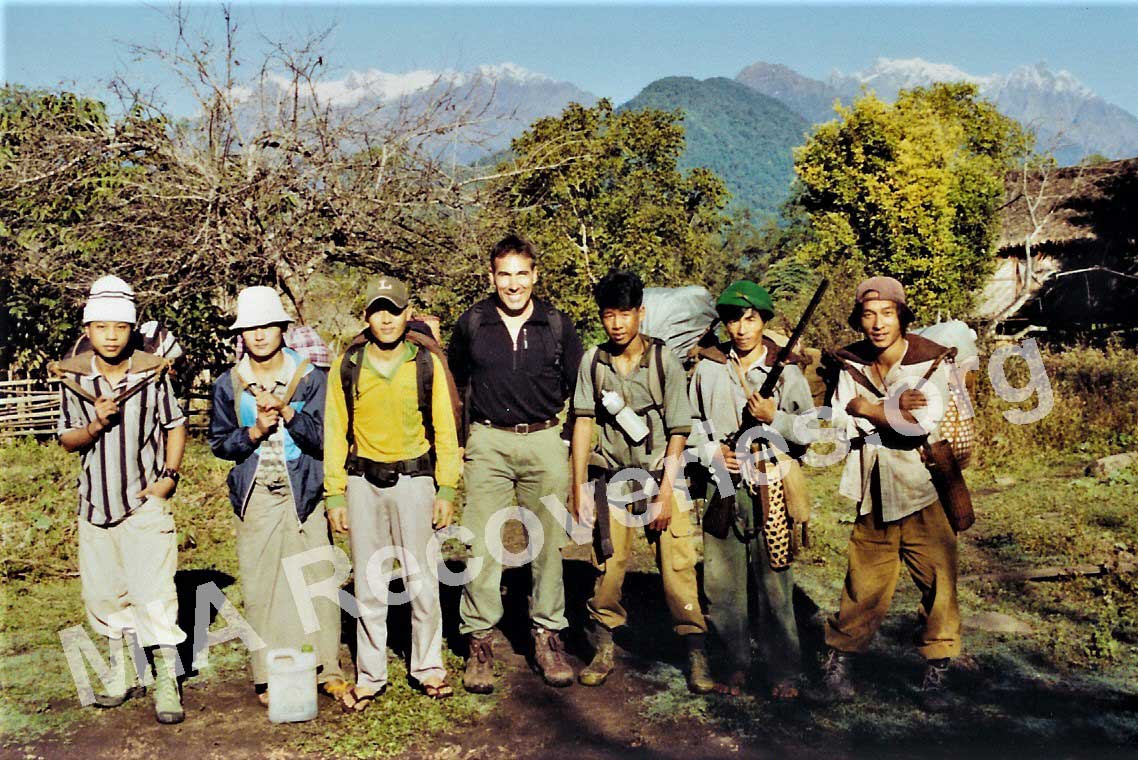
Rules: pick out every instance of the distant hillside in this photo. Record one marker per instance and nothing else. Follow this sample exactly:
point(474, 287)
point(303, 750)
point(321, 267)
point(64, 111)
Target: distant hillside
point(809, 98)
point(742, 135)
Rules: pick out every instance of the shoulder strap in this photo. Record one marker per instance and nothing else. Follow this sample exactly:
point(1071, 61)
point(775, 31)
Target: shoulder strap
point(239, 386)
point(557, 327)
point(473, 323)
point(595, 373)
point(424, 382)
point(350, 367)
point(297, 376)
point(656, 389)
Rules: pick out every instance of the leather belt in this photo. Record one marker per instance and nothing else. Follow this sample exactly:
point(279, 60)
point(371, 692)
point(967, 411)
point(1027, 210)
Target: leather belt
point(524, 427)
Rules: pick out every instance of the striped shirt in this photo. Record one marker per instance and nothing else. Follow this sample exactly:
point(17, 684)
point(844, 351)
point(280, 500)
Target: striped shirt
point(127, 456)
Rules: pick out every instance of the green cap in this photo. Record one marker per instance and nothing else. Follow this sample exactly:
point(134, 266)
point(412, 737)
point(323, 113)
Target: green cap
point(745, 293)
point(387, 289)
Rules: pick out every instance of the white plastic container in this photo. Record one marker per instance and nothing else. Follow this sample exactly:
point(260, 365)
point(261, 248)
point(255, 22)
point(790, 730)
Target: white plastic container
point(292, 685)
point(630, 422)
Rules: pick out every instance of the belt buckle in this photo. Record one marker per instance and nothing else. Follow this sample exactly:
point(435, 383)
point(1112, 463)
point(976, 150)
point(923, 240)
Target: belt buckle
point(521, 427)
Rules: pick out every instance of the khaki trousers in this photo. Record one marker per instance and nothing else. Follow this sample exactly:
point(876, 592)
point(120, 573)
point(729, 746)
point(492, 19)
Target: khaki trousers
point(925, 544)
point(127, 575)
point(675, 558)
point(505, 470)
point(269, 533)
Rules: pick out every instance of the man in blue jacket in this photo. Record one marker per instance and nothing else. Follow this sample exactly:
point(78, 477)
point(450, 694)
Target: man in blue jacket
point(268, 418)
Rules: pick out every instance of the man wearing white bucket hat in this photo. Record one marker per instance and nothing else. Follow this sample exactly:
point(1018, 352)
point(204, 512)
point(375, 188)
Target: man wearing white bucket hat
point(119, 411)
point(268, 418)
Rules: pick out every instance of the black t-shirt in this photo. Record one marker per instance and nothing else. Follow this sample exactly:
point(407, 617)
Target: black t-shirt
point(510, 385)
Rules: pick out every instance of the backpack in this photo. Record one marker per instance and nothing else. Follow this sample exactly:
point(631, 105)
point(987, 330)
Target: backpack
point(155, 351)
point(680, 317)
point(655, 379)
point(150, 337)
point(305, 341)
point(352, 365)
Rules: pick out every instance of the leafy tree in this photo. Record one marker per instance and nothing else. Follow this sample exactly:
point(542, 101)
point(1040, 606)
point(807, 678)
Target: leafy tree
point(594, 189)
point(911, 190)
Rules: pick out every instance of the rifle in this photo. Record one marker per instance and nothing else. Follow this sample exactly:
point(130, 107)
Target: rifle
point(767, 388)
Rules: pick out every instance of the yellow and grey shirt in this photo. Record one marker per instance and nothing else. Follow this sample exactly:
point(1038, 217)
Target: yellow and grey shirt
point(387, 424)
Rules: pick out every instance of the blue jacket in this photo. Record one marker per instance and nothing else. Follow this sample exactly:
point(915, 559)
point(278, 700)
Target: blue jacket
point(303, 440)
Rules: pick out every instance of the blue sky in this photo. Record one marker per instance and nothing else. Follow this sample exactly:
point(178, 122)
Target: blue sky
point(610, 50)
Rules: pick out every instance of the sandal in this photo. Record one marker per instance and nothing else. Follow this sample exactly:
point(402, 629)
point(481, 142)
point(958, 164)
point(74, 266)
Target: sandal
point(334, 688)
point(440, 690)
point(733, 685)
point(263, 698)
point(784, 691)
point(356, 699)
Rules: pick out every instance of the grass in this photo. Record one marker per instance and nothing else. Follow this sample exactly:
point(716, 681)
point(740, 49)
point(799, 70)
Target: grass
point(1066, 683)
point(41, 595)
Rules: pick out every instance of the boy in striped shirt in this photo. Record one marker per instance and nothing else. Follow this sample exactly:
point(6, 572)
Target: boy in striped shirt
point(120, 413)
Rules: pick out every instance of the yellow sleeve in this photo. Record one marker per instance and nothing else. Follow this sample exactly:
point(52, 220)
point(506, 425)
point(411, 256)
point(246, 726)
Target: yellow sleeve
point(335, 440)
point(448, 465)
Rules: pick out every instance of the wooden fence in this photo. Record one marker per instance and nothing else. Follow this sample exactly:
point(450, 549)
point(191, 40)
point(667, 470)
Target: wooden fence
point(30, 406)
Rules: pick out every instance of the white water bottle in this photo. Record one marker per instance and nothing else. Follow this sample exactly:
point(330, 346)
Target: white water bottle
point(629, 421)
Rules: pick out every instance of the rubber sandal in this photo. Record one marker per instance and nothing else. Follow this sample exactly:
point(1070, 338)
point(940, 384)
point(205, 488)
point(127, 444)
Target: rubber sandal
point(733, 686)
point(355, 700)
point(442, 690)
point(784, 691)
point(334, 688)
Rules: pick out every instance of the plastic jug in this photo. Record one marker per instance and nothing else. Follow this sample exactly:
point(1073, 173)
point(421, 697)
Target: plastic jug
point(292, 685)
point(629, 421)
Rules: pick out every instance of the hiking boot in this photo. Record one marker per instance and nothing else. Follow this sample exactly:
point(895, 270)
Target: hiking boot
point(598, 669)
point(167, 700)
point(122, 688)
point(836, 685)
point(549, 658)
point(699, 671)
point(933, 692)
point(479, 675)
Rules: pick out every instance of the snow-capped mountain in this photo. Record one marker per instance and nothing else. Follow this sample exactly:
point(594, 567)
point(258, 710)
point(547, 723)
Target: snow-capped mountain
point(1068, 118)
point(1066, 115)
point(500, 100)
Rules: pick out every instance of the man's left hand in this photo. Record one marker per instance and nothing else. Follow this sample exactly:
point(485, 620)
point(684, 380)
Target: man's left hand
point(661, 506)
point(762, 409)
point(163, 488)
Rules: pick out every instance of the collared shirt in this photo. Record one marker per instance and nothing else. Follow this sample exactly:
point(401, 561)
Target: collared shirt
point(615, 448)
point(718, 400)
point(906, 486)
point(271, 468)
point(387, 423)
point(127, 456)
point(514, 382)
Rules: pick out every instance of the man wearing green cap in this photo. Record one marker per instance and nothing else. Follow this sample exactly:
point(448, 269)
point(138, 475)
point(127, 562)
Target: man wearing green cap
point(724, 386)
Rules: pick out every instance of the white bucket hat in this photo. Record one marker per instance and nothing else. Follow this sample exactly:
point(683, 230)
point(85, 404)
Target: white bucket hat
point(258, 306)
point(111, 300)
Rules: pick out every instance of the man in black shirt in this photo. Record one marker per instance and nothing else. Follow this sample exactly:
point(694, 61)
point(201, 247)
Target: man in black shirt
point(518, 358)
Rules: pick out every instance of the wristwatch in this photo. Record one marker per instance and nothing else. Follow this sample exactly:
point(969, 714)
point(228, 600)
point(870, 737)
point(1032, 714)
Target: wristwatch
point(173, 475)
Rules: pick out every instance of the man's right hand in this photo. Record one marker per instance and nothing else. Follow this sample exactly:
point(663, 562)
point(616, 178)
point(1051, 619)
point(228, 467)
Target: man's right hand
point(729, 458)
point(582, 505)
point(267, 420)
point(105, 408)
